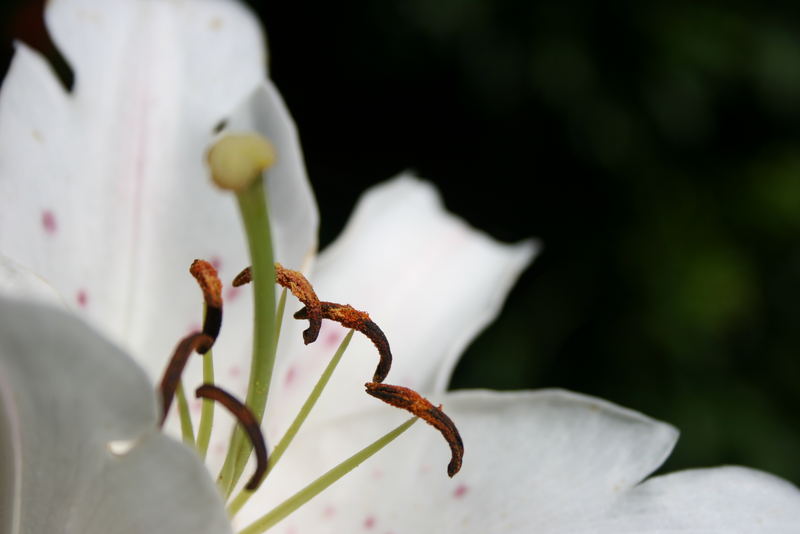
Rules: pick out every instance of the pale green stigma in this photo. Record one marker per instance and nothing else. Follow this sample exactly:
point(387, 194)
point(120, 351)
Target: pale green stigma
point(237, 160)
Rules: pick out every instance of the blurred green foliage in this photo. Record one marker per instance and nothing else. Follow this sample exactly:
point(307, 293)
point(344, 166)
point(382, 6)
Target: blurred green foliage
point(659, 143)
point(652, 146)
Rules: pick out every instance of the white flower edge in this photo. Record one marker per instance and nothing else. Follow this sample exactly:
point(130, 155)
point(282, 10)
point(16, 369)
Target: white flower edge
point(67, 395)
point(547, 461)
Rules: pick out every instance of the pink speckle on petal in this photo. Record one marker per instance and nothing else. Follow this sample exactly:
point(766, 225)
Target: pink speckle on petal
point(369, 522)
point(82, 298)
point(216, 262)
point(377, 474)
point(460, 491)
point(234, 371)
point(232, 293)
point(291, 374)
point(49, 222)
point(196, 405)
point(329, 512)
point(220, 448)
point(333, 338)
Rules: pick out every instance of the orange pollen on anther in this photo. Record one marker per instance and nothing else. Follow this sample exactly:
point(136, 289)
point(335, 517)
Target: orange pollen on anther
point(350, 317)
point(410, 400)
point(208, 280)
point(210, 285)
point(301, 288)
point(244, 277)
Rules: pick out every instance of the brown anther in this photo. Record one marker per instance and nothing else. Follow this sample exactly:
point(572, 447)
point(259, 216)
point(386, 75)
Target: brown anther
point(410, 400)
point(210, 285)
point(350, 317)
point(208, 280)
point(172, 375)
point(249, 423)
point(244, 277)
point(301, 288)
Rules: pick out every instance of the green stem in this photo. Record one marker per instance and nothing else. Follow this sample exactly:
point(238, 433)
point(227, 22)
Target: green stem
point(299, 419)
point(297, 500)
point(186, 418)
point(255, 216)
point(207, 412)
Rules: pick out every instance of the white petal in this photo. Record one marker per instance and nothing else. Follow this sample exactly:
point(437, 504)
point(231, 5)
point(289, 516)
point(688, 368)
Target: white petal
point(726, 500)
point(534, 462)
point(430, 281)
point(105, 192)
point(66, 395)
point(293, 211)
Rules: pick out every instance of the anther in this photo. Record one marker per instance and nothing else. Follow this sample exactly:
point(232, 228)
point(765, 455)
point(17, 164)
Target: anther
point(208, 280)
point(172, 375)
point(301, 288)
point(249, 423)
point(350, 317)
point(244, 277)
point(410, 400)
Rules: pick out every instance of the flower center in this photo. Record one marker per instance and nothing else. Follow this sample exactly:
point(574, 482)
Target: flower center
point(237, 163)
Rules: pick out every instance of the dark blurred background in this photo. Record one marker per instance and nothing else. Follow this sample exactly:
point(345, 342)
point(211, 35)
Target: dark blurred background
point(652, 146)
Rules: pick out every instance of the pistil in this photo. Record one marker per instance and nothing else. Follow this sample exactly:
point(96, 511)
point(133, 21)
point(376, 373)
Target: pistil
point(237, 163)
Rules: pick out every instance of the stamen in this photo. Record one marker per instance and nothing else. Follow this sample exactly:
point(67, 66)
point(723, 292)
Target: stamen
point(210, 285)
point(172, 375)
point(301, 288)
point(248, 422)
point(350, 317)
point(410, 400)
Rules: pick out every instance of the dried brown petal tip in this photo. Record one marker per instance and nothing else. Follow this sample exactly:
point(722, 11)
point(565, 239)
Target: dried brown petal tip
point(174, 370)
point(244, 277)
point(249, 423)
point(410, 400)
point(350, 317)
point(301, 288)
point(210, 285)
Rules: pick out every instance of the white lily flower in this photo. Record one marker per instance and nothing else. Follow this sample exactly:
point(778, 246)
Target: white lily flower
point(105, 196)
